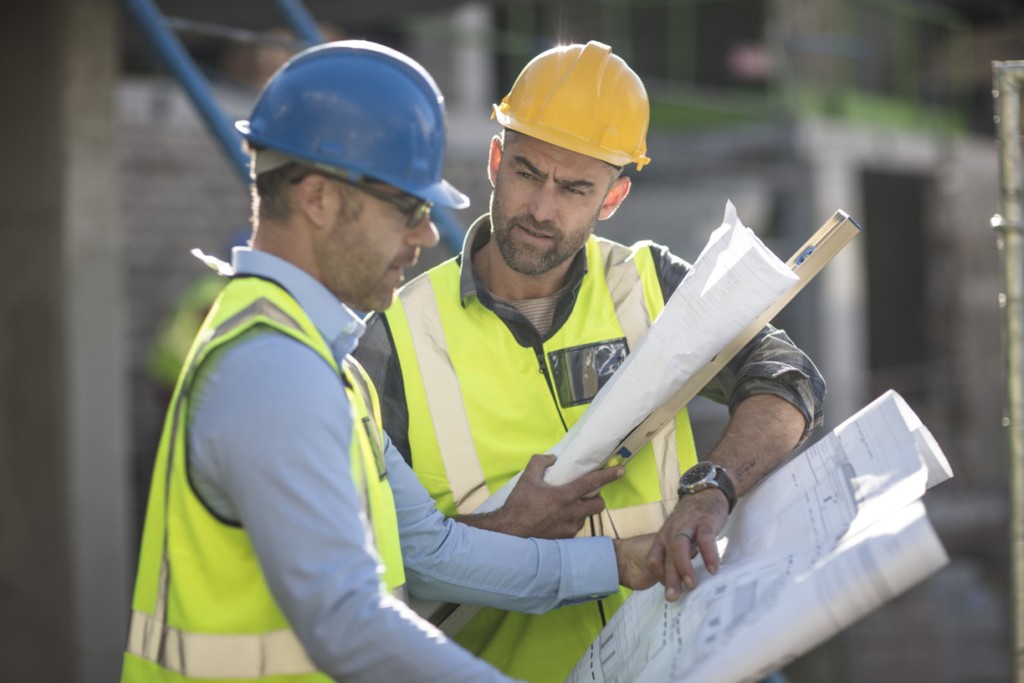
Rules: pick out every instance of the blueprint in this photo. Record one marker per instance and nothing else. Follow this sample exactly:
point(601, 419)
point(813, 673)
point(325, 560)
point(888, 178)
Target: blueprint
point(826, 539)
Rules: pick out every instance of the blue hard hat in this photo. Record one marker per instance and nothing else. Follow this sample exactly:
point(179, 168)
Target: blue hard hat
point(362, 108)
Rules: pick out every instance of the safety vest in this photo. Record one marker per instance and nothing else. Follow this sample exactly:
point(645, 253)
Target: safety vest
point(480, 405)
point(202, 609)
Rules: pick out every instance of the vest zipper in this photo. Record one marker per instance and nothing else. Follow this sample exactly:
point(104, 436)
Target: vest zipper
point(539, 352)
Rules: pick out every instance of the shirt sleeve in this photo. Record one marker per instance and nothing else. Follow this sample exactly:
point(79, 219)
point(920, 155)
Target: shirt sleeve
point(452, 562)
point(769, 364)
point(269, 429)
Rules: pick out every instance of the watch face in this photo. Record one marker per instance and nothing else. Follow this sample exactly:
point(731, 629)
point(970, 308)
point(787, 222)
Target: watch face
point(700, 473)
point(705, 475)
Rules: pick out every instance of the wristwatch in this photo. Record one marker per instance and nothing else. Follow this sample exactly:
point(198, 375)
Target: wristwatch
point(704, 475)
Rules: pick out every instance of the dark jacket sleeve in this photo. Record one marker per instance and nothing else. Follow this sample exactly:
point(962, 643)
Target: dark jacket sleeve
point(376, 353)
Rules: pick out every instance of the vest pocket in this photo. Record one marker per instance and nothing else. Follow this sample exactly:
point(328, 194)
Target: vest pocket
point(579, 372)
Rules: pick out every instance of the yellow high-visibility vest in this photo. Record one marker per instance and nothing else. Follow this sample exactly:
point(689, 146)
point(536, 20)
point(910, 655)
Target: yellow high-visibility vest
point(480, 405)
point(201, 608)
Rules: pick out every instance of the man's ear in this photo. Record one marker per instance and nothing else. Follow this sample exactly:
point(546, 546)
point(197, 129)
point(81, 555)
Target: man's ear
point(616, 195)
point(312, 198)
point(494, 159)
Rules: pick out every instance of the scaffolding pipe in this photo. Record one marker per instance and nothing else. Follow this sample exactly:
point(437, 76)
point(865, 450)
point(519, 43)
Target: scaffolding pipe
point(1008, 77)
point(160, 32)
point(178, 60)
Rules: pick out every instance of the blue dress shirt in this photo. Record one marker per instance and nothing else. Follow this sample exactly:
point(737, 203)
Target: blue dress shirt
point(268, 444)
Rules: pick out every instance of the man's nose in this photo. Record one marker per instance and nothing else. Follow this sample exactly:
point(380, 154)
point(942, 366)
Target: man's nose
point(423, 234)
point(544, 202)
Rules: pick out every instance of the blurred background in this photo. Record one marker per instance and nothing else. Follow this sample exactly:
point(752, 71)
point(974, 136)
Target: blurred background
point(792, 109)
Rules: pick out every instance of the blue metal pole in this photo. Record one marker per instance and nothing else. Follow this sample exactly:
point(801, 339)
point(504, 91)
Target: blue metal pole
point(195, 83)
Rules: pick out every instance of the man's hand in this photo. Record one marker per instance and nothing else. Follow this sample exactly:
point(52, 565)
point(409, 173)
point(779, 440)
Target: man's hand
point(761, 434)
point(631, 557)
point(539, 510)
point(692, 527)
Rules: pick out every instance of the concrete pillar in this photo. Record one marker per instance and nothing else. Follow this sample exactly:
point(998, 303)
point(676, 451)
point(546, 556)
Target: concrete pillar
point(471, 61)
point(96, 347)
point(63, 567)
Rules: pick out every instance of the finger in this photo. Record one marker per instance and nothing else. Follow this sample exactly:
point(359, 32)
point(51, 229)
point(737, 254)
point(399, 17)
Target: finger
point(587, 507)
point(537, 465)
point(706, 541)
point(671, 576)
point(683, 549)
point(593, 481)
point(693, 542)
point(655, 559)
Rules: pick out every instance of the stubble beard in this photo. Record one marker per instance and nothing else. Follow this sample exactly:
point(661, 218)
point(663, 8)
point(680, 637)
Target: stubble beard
point(524, 258)
point(357, 282)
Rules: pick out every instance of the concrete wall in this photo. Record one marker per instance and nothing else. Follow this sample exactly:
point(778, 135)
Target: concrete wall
point(179, 191)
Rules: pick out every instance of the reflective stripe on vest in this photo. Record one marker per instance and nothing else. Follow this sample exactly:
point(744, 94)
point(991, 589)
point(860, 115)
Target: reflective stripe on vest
point(447, 408)
point(371, 470)
point(217, 655)
point(621, 287)
point(216, 652)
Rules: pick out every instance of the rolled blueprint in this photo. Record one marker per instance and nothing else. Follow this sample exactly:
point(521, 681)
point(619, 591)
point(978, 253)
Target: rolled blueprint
point(734, 279)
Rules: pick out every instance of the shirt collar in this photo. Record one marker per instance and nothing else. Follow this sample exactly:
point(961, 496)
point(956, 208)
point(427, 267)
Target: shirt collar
point(340, 326)
point(477, 236)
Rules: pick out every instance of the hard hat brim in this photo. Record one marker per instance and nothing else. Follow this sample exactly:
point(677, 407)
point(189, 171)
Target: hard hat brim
point(568, 141)
point(441, 193)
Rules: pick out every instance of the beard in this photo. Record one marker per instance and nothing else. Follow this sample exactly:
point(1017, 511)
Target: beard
point(355, 273)
point(528, 258)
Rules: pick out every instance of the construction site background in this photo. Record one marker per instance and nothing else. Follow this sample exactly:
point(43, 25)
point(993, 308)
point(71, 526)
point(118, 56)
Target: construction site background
point(790, 108)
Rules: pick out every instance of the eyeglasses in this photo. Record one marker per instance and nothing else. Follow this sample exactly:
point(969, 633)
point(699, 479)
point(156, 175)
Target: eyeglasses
point(413, 208)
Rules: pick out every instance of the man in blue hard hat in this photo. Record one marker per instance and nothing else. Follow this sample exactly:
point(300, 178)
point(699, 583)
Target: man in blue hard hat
point(282, 527)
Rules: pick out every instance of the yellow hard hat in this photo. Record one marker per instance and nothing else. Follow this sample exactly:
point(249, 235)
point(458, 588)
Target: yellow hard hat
point(582, 98)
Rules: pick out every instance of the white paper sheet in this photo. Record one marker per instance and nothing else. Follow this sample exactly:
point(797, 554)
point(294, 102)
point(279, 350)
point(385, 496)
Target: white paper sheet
point(823, 541)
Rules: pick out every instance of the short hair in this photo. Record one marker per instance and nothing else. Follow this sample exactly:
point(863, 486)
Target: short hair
point(271, 200)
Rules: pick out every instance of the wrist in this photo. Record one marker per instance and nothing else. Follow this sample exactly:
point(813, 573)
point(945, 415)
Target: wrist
point(619, 563)
point(705, 475)
point(490, 521)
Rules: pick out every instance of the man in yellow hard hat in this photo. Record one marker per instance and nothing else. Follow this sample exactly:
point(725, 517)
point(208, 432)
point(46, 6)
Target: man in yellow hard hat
point(498, 352)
